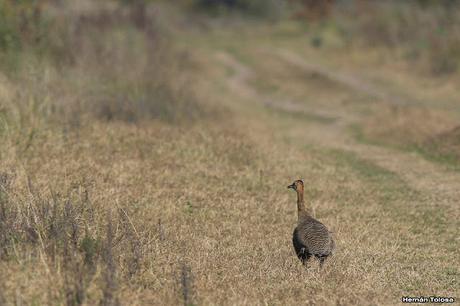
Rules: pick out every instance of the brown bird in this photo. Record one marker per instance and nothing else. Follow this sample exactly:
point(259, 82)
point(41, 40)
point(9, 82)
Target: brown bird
point(310, 237)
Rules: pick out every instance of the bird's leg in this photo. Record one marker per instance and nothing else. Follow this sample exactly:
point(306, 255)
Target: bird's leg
point(305, 256)
point(321, 262)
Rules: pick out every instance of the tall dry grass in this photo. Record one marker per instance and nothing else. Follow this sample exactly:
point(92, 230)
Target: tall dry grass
point(106, 64)
point(426, 34)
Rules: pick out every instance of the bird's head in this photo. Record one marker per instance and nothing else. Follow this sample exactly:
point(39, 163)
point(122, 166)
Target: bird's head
point(297, 185)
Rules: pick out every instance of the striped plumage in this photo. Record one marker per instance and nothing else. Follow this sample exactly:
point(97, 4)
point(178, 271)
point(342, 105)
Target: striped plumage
point(310, 237)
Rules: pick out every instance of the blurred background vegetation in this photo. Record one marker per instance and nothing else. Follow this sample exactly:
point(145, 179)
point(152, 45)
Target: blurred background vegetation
point(85, 74)
point(420, 30)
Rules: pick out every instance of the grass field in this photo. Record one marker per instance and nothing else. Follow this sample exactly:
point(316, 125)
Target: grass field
point(154, 172)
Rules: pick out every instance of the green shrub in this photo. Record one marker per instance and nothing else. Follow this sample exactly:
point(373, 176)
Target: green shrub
point(21, 23)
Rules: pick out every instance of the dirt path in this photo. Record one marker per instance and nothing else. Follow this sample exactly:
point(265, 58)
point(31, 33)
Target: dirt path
point(346, 79)
point(440, 184)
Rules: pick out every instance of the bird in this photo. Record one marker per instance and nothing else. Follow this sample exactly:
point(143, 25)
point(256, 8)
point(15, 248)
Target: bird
point(310, 237)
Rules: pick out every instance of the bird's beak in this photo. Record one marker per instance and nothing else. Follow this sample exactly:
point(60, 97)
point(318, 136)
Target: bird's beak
point(292, 186)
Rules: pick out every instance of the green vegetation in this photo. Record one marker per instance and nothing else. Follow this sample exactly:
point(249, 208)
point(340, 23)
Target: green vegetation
point(254, 8)
point(86, 53)
point(424, 33)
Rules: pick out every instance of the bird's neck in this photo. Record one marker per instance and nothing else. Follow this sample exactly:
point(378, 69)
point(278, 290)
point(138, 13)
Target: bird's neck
point(301, 204)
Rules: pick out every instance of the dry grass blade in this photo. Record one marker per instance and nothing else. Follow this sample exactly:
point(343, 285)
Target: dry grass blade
point(110, 297)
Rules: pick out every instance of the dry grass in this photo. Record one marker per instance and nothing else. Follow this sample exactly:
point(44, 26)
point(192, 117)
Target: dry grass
point(166, 211)
point(226, 221)
point(425, 34)
point(103, 63)
point(432, 132)
point(446, 145)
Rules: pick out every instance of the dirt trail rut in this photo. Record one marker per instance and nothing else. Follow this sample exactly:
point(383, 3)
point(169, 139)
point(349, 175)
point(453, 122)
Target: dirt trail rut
point(440, 184)
point(346, 79)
